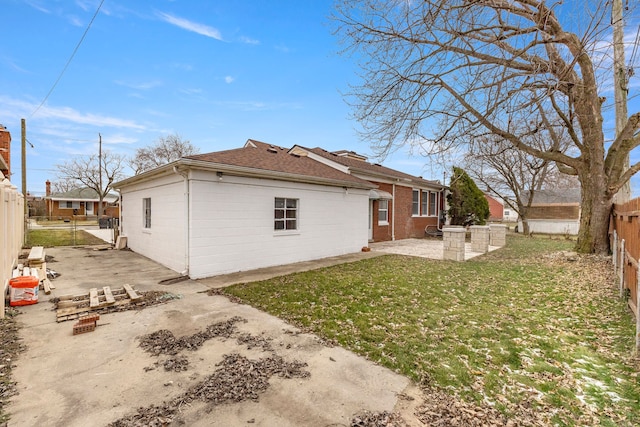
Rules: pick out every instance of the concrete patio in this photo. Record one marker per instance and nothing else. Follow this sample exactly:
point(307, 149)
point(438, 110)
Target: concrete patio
point(427, 248)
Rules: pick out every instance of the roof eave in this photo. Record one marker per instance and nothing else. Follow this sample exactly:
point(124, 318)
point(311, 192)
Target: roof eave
point(184, 164)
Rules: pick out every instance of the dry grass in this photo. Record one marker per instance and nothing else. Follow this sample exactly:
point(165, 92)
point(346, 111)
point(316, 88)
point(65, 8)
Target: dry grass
point(539, 336)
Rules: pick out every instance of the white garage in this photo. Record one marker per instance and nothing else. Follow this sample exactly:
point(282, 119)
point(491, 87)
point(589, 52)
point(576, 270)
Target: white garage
point(243, 209)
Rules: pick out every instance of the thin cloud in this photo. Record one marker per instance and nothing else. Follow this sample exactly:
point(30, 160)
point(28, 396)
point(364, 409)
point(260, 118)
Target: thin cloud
point(68, 114)
point(249, 40)
point(38, 6)
point(229, 79)
point(195, 27)
point(140, 86)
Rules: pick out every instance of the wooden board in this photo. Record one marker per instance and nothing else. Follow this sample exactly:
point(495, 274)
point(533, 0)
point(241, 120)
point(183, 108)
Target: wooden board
point(47, 286)
point(94, 301)
point(108, 295)
point(68, 306)
point(36, 253)
point(131, 292)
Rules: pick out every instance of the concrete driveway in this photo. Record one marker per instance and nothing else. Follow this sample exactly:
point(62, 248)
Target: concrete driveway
point(96, 378)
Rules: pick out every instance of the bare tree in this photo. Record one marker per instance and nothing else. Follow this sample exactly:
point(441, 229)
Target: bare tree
point(439, 73)
point(64, 185)
point(514, 175)
point(164, 150)
point(85, 170)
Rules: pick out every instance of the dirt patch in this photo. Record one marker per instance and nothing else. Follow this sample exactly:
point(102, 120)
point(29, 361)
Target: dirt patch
point(10, 347)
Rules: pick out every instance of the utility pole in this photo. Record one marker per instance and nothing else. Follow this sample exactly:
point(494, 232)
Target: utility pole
point(620, 87)
point(100, 177)
point(23, 128)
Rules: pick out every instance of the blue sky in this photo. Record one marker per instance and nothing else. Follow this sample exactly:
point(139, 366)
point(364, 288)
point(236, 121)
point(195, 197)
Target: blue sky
point(215, 72)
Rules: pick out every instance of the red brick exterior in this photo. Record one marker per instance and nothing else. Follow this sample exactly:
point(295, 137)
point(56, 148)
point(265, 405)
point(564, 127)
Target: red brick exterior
point(406, 225)
point(496, 209)
point(5, 150)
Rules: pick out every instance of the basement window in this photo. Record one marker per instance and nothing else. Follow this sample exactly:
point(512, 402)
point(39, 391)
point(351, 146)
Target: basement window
point(285, 214)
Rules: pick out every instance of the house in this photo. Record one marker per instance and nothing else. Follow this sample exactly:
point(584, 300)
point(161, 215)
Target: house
point(554, 211)
point(263, 205)
point(5, 152)
point(496, 208)
point(81, 203)
point(242, 209)
point(402, 205)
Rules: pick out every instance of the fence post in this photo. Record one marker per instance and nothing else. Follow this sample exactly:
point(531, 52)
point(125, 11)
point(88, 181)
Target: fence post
point(622, 262)
point(638, 315)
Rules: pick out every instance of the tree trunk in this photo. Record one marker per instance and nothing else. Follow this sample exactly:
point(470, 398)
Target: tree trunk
point(596, 205)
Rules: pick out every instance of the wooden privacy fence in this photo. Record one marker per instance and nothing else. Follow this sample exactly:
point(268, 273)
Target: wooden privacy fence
point(625, 246)
point(11, 232)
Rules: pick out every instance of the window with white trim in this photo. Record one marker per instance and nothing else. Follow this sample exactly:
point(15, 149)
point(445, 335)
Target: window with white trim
point(416, 203)
point(433, 203)
point(146, 212)
point(383, 212)
point(285, 214)
point(67, 204)
point(424, 211)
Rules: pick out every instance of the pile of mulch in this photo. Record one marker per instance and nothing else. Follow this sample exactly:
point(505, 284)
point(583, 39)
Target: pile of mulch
point(237, 379)
point(164, 342)
point(252, 341)
point(10, 347)
point(378, 419)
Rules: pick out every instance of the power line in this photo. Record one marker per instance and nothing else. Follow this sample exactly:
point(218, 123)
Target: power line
point(69, 60)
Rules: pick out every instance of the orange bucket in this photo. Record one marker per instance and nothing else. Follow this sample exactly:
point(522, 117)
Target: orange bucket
point(23, 290)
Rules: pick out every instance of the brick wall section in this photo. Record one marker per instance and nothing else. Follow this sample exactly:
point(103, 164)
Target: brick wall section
point(5, 150)
point(480, 238)
point(406, 225)
point(496, 210)
point(498, 235)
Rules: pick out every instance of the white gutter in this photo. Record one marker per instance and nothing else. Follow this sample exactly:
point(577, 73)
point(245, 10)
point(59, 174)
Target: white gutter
point(187, 211)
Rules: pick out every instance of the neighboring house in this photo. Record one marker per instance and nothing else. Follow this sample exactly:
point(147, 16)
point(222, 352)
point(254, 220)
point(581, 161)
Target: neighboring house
point(401, 206)
point(5, 152)
point(496, 208)
point(243, 209)
point(81, 203)
point(509, 214)
point(554, 211)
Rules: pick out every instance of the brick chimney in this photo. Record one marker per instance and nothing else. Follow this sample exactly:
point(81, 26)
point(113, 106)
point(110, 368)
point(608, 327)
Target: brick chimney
point(48, 188)
point(5, 151)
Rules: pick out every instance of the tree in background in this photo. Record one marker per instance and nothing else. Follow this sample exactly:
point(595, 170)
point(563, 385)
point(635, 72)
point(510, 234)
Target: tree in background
point(437, 74)
point(165, 150)
point(467, 204)
point(512, 174)
point(86, 171)
point(63, 185)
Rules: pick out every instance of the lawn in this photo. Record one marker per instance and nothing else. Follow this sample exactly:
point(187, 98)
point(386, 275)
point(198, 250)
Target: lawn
point(525, 329)
point(61, 237)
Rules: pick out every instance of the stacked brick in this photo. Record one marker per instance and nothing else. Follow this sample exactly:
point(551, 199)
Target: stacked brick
point(86, 324)
point(453, 239)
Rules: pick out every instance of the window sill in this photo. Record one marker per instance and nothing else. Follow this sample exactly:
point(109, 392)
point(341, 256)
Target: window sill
point(383, 223)
point(286, 233)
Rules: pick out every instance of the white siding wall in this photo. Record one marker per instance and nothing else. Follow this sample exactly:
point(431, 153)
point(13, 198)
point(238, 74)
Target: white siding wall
point(165, 241)
point(555, 226)
point(232, 223)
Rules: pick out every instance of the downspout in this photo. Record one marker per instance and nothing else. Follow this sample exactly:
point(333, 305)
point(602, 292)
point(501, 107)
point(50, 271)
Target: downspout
point(185, 175)
point(393, 213)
